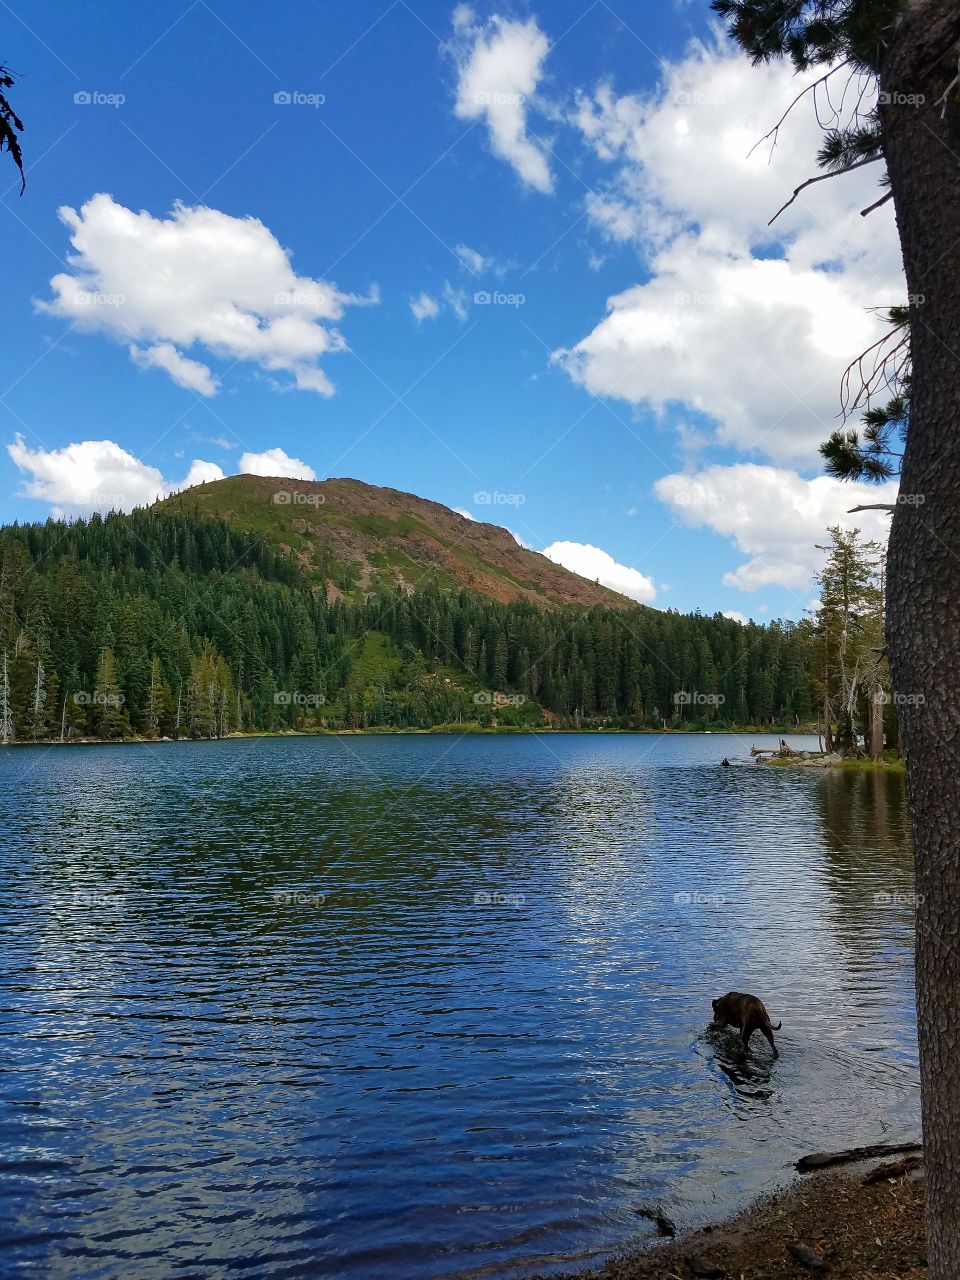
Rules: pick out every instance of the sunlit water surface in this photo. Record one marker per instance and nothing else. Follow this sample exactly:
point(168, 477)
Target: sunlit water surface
point(426, 1006)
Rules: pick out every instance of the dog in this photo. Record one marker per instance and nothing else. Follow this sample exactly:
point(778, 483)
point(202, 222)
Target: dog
point(746, 1012)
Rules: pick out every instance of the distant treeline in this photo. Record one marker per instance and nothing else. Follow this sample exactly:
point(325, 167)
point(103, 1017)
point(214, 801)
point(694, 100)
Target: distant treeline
point(170, 624)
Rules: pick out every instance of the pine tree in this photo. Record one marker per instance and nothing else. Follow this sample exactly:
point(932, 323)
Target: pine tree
point(108, 701)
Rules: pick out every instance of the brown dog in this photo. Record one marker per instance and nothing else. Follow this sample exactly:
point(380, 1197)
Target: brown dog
point(748, 1013)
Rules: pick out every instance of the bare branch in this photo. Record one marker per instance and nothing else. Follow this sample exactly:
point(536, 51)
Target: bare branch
point(876, 204)
point(873, 506)
point(822, 177)
point(946, 93)
point(811, 88)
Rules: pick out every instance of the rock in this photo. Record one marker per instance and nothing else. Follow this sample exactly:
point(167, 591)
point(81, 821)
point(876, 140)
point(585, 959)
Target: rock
point(665, 1226)
point(806, 1257)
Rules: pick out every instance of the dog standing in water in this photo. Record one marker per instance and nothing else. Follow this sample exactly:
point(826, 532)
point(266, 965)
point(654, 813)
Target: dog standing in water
point(746, 1012)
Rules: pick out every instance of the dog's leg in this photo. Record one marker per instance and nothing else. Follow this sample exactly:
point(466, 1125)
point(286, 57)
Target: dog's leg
point(769, 1034)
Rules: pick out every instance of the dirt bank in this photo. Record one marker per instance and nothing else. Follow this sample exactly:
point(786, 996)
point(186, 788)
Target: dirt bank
point(856, 1229)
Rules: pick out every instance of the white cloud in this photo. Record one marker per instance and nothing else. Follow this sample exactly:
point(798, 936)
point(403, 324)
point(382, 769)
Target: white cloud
point(736, 616)
point(424, 307)
point(750, 326)
point(473, 260)
point(500, 66)
point(774, 516)
point(97, 475)
point(595, 564)
point(186, 373)
point(456, 300)
point(197, 279)
point(462, 511)
point(274, 462)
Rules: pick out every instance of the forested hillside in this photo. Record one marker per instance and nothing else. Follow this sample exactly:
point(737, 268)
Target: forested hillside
point(166, 622)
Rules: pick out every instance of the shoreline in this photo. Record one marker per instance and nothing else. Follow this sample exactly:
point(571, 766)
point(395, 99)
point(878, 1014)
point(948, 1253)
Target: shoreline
point(857, 764)
point(445, 731)
point(861, 1221)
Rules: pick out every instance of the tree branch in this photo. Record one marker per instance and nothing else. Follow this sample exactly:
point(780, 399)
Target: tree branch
point(822, 177)
point(873, 506)
point(811, 88)
point(876, 204)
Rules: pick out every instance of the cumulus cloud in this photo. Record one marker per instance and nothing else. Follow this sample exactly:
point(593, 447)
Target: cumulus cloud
point(197, 279)
point(274, 462)
point(750, 326)
point(774, 516)
point(97, 475)
point(736, 616)
point(424, 307)
point(597, 565)
point(500, 66)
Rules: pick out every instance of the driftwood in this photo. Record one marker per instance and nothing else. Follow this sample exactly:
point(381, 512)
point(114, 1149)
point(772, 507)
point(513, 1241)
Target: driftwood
point(665, 1226)
point(894, 1169)
point(782, 751)
point(823, 1159)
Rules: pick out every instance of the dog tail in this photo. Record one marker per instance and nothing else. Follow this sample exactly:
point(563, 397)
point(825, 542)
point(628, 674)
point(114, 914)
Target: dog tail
point(777, 1027)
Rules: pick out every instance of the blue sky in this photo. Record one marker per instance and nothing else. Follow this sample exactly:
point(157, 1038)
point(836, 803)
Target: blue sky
point(414, 160)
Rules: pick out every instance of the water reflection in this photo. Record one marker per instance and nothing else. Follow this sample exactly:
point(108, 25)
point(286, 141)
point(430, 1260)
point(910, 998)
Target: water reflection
point(413, 1006)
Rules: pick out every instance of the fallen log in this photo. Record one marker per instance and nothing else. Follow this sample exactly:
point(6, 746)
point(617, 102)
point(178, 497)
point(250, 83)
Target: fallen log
point(823, 1159)
point(894, 1169)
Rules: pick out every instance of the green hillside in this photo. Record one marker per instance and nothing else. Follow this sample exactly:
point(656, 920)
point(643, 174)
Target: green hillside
point(172, 621)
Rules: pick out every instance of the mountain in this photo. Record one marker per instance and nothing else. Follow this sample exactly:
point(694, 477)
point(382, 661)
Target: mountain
point(358, 536)
point(269, 605)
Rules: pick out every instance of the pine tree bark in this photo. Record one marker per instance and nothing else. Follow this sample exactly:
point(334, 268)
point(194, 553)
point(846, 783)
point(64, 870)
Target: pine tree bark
point(922, 145)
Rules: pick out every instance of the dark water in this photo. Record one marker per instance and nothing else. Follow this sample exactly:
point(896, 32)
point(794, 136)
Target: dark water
point(420, 1007)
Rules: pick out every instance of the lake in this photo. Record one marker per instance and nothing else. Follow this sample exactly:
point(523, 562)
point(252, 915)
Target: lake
point(431, 1006)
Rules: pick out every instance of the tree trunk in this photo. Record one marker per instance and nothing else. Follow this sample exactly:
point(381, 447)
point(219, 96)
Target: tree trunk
point(922, 144)
point(876, 724)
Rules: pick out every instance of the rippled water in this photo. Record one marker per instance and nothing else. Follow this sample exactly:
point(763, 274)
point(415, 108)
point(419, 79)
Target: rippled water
point(425, 1006)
